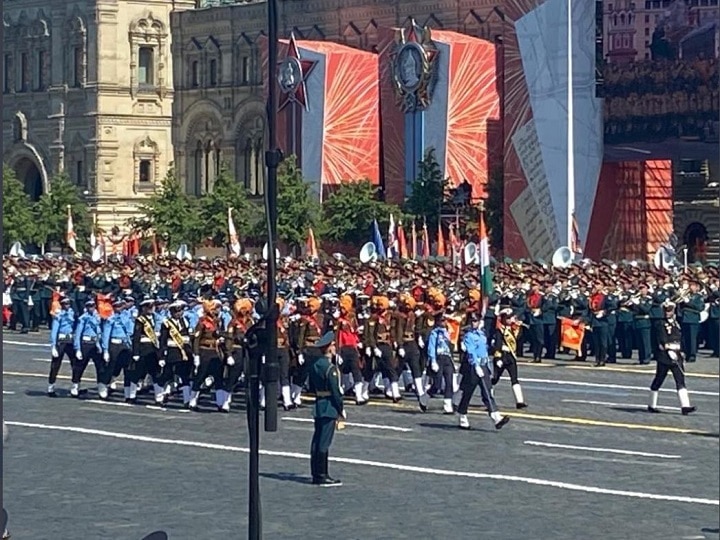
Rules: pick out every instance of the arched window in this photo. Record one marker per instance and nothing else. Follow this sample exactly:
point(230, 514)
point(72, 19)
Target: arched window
point(147, 164)
point(76, 52)
point(148, 40)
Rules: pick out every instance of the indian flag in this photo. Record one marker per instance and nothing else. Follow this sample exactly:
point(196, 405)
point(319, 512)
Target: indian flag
point(486, 277)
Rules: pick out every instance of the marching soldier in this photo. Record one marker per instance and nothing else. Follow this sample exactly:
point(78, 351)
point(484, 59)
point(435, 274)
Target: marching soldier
point(404, 337)
point(61, 341)
point(208, 339)
point(349, 342)
point(477, 372)
point(440, 353)
point(284, 349)
point(234, 362)
point(611, 306)
point(117, 349)
point(505, 347)
point(87, 347)
point(311, 327)
point(145, 348)
point(670, 359)
point(325, 384)
point(378, 344)
point(657, 319)
point(176, 351)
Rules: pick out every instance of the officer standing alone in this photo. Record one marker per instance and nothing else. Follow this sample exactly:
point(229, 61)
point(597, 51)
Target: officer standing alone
point(325, 384)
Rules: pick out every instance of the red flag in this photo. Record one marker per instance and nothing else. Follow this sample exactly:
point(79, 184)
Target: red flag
point(440, 241)
point(402, 243)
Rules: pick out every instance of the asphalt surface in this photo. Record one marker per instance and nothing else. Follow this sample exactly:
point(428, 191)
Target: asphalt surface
point(584, 461)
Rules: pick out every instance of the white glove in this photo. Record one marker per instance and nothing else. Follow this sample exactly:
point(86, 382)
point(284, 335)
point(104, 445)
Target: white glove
point(377, 352)
point(360, 346)
point(499, 364)
point(401, 352)
point(479, 371)
point(301, 359)
point(136, 358)
point(161, 363)
point(196, 360)
point(421, 342)
point(106, 356)
point(78, 355)
point(336, 314)
point(344, 414)
point(230, 361)
point(368, 351)
point(54, 352)
point(419, 312)
point(338, 360)
point(434, 366)
point(463, 348)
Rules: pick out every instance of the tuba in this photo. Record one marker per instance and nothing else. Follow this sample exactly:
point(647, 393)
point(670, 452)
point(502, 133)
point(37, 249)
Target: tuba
point(368, 253)
point(563, 257)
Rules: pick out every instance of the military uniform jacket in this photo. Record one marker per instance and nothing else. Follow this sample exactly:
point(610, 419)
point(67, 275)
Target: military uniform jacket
point(641, 312)
point(324, 382)
point(175, 340)
point(625, 312)
point(310, 329)
point(404, 327)
point(549, 309)
point(692, 308)
point(144, 338)
point(669, 336)
point(207, 335)
point(235, 342)
point(504, 343)
point(378, 330)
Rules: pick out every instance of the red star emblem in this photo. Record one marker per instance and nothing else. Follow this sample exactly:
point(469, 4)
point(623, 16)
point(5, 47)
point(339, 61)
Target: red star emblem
point(293, 71)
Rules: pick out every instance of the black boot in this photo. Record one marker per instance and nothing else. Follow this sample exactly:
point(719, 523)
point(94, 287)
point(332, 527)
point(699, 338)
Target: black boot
point(326, 480)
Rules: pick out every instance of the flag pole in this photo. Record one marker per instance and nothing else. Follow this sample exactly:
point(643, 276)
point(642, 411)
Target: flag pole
point(570, 130)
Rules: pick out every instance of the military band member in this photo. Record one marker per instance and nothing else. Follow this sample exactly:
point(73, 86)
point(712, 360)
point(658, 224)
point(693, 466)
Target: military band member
point(611, 305)
point(324, 379)
point(208, 339)
point(550, 321)
point(657, 319)
point(117, 348)
point(477, 372)
point(692, 306)
point(145, 347)
point(505, 347)
point(348, 341)
point(598, 322)
point(535, 322)
point(176, 351)
point(642, 303)
point(61, 342)
point(625, 319)
point(670, 359)
point(87, 347)
point(405, 328)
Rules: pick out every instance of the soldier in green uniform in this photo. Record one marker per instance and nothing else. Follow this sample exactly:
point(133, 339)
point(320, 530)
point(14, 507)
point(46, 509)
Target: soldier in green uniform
point(642, 303)
point(657, 319)
point(692, 305)
point(325, 384)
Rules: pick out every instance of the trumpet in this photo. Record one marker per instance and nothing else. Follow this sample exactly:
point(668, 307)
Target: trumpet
point(682, 297)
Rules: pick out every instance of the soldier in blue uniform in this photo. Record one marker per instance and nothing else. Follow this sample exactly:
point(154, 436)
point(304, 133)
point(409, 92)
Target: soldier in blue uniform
point(61, 341)
point(116, 346)
point(325, 384)
point(440, 351)
point(87, 347)
point(477, 372)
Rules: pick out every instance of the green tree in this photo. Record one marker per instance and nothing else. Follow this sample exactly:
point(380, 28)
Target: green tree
point(172, 214)
point(51, 214)
point(429, 190)
point(227, 193)
point(297, 206)
point(494, 208)
point(349, 211)
point(17, 208)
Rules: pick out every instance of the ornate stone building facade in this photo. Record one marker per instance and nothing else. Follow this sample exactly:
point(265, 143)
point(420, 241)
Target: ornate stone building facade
point(219, 107)
point(88, 91)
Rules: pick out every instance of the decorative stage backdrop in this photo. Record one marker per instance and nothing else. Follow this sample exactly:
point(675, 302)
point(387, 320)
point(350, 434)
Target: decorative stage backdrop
point(329, 111)
point(535, 109)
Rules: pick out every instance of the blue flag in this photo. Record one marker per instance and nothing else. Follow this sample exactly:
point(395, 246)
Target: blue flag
point(378, 241)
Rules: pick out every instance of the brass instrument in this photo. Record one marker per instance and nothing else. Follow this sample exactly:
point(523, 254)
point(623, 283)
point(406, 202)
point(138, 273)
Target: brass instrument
point(682, 297)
